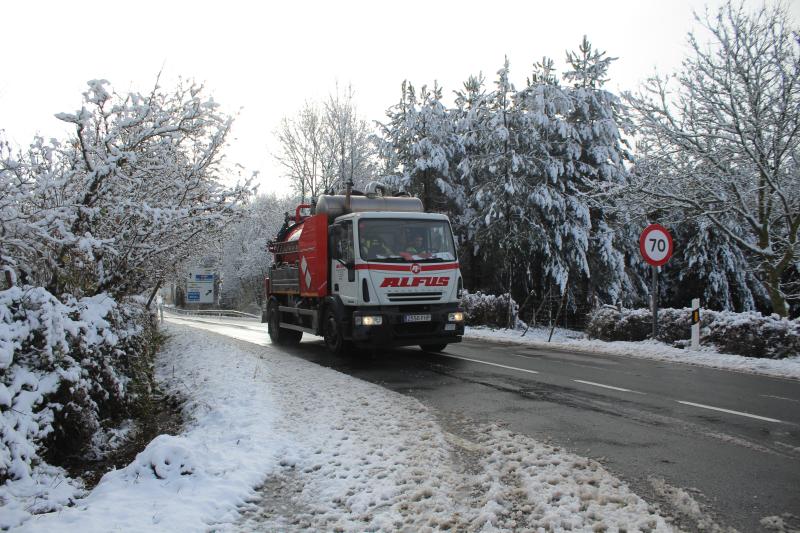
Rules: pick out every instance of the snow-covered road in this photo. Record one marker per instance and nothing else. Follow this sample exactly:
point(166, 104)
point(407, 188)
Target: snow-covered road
point(653, 423)
point(277, 443)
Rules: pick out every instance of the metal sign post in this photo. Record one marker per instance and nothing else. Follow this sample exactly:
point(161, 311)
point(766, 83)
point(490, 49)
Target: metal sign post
point(654, 301)
point(655, 245)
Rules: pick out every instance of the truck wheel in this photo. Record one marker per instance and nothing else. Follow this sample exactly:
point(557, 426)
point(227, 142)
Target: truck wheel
point(431, 348)
point(332, 333)
point(277, 334)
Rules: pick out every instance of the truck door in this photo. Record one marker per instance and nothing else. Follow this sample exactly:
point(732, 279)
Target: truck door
point(343, 263)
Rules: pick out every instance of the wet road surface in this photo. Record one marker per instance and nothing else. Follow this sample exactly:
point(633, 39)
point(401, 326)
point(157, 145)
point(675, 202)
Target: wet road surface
point(730, 440)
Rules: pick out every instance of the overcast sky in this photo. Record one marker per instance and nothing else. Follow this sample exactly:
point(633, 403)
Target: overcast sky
point(267, 58)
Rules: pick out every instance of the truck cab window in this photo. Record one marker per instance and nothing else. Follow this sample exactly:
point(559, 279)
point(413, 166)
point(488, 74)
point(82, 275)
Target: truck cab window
point(344, 242)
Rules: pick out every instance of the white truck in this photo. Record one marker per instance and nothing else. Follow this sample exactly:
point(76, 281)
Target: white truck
point(365, 269)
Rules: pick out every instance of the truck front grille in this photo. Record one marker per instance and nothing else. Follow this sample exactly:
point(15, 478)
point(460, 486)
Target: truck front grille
point(414, 296)
point(412, 330)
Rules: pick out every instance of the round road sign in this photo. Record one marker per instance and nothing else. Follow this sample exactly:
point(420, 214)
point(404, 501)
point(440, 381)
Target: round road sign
point(655, 243)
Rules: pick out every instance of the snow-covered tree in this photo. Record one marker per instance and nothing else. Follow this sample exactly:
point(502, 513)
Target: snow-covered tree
point(595, 158)
point(539, 165)
point(726, 134)
point(325, 145)
point(527, 176)
point(589, 66)
point(242, 254)
point(349, 141)
point(85, 223)
point(500, 174)
point(304, 152)
point(115, 207)
point(420, 138)
point(707, 265)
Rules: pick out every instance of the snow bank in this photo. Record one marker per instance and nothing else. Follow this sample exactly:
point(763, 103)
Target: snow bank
point(706, 356)
point(187, 482)
point(65, 367)
point(277, 443)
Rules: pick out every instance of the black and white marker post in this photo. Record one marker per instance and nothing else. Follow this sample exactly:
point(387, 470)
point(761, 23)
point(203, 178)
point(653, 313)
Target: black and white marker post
point(695, 323)
point(655, 244)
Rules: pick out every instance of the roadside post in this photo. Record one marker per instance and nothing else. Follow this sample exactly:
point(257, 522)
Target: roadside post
point(655, 245)
point(695, 323)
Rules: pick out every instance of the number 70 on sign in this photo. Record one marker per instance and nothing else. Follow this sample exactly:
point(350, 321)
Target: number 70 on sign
point(655, 244)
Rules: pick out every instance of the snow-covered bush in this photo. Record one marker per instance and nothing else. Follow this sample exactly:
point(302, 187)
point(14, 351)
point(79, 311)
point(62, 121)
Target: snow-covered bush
point(489, 310)
point(754, 335)
point(66, 368)
point(750, 334)
point(611, 324)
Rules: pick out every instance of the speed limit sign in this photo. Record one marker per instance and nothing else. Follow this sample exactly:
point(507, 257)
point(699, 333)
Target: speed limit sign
point(655, 243)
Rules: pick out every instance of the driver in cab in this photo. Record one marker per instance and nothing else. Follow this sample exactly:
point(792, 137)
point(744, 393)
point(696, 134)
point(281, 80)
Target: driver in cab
point(373, 246)
point(416, 248)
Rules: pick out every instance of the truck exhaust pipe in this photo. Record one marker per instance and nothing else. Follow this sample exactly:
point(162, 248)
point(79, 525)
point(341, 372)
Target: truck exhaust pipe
point(348, 190)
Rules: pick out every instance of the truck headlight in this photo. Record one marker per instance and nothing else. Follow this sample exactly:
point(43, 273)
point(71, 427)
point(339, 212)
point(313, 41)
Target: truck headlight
point(369, 320)
point(458, 316)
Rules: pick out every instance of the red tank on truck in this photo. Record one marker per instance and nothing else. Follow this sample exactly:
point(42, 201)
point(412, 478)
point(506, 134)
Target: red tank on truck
point(365, 269)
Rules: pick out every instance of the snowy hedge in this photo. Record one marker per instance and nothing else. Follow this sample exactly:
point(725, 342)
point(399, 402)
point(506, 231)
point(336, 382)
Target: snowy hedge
point(66, 370)
point(489, 310)
point(750, 334)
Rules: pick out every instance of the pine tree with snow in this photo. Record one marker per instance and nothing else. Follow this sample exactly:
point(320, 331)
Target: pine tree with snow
point(420, 139)
point(596, 159)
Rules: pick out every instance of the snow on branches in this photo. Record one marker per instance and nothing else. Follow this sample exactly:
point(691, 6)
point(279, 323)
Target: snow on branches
point(118, 204)
point(722, 138)
point(84, 224)
point(523, 173)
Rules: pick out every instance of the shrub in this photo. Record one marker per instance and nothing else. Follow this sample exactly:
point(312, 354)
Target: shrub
point(65, 369)
point(489, 310)
point(749, 334)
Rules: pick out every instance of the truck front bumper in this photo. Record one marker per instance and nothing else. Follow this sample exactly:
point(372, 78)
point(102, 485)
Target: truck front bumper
point(397, 330)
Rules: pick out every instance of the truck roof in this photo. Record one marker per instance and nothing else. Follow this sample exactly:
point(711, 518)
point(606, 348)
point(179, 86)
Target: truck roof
point(393, 214)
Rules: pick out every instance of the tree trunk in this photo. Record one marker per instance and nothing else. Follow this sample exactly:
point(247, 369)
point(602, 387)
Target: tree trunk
point(153, 294)
point(776, 297)
point(560, 306)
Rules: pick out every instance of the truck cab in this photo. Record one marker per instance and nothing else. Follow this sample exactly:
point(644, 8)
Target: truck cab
point(368, 271)
point(399, 273)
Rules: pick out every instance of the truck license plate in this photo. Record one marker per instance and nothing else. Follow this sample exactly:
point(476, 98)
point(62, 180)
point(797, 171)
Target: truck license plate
point(417, 318)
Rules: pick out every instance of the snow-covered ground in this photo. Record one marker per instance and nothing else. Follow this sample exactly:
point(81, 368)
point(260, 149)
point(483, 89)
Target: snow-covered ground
point(276, 443)
point(706, 356)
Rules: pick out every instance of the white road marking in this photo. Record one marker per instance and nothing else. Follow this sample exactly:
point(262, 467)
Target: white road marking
point(487, 363)
point(780, 398)
point(789, 446)
point(606, 386)
point(731, 412)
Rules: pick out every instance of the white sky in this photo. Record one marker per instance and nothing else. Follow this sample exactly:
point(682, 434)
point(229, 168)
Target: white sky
point(267, 58)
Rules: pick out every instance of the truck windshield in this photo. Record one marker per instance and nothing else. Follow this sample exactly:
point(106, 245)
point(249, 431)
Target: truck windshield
point(389, 240)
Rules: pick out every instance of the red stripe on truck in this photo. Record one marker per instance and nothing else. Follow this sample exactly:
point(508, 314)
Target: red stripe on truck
point(406, 268)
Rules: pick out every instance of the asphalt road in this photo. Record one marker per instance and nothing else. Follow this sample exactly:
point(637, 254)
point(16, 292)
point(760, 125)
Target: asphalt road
point(729, 440)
